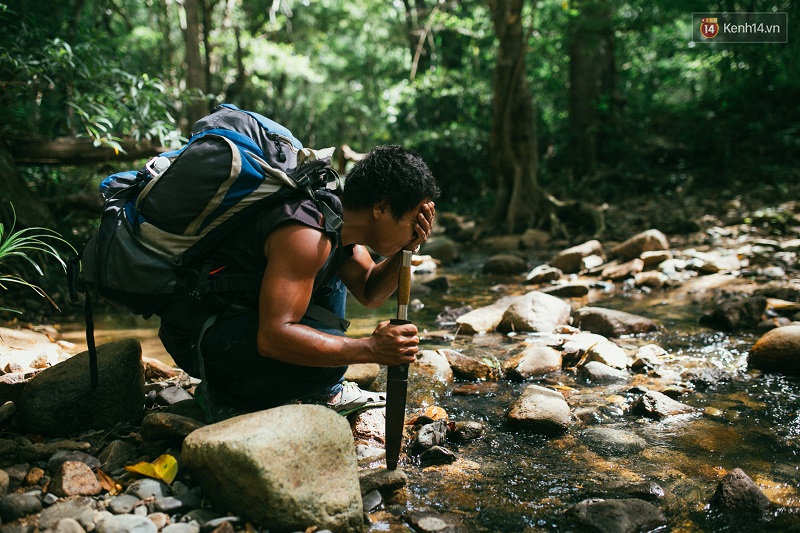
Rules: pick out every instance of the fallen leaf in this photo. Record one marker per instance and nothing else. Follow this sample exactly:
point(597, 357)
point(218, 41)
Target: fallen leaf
point(165, 468)
point(108, 483)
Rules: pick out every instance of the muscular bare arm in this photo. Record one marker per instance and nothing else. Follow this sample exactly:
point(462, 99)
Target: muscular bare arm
point(295, 253)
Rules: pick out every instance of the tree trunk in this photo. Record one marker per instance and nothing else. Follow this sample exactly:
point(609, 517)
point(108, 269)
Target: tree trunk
point(77, 151)
point(29, 209)
point(591, 75)
point(520, 202)
point(195, 73)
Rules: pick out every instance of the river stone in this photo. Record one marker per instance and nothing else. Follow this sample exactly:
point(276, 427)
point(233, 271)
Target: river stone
point(126, 523)
point(624, 271)
point(737, 492)
point(505, 264)
point(652, 279)
point(658, 406)
point(149, 488)
point(535, 311)
point(430, 435)
point(80, 509)
point(646, 241)
point(777, 350)
point(736, 313)
point(171, 395)
point(612, 323)
point(13, 506)
point(363, 375)
point(570, 260)
point(613, 441)
point(74, 478)
point(62, 456)
point(59, 400)
point(608, 353)
point(465, 431)
point(485, 319)
point(433, 364)
point(597, 372)
point(617, 516)
point(165, 426)
point(369, 425)
point(541, 410)
point(543, 274)
point(381, 479)
point(442, 248)
point(654, 258)
point(467, 367)
point(116, 455)
point(287, 467)
point(532, 361)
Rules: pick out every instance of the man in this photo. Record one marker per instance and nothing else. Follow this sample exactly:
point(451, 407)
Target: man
point(272, 352)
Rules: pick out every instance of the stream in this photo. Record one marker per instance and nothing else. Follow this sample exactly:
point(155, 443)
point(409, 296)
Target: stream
point(514, 480)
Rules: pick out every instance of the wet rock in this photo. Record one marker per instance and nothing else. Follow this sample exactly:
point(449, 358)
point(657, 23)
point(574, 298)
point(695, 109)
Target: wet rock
point(430, 435)
point(79, 509)
point(68, 525)
point(465, 431)
point(116, 455)
point(364, 375)
point(652, 279)
point(42, 451)
point(608, 353)
point(654, 258)
point(449, 315)
point(16, 475)
point(597, 372)
point(534, 239)
point(434, 365)
point(62, 456)
point(13, 506)
point(612, 323)
point(467, 367)
point(371, 501)
point(148, 488)
point(366, 454)
point(623, 271)
point(369, 425)
point(74, 479)
point(777, 350)
point(484, 319)
point(432, 523)
point(609, 441)
point(4, 483)
point(381, 479)
point(181, 527)
point(442, 248)
point(646, 241)
point(59, 400)
point(658, 406)
point(566, 290)
point(646, 490)
point(535, 311)
point(7, 412)
point(737, 492)
point(736, 313)
point(171, 395)
point(541, 410)
point(166, 426)
point(617, 516)
point(242, 465)
point(532, 361)
point(159, 519)
point(543, 274)
point(437, 455)
point(155, 370)
point(123, 504)
point(570, 261)
point(505, 264)
point(440, 283)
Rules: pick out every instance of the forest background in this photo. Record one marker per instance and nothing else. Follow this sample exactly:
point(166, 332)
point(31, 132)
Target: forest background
point(540, 114)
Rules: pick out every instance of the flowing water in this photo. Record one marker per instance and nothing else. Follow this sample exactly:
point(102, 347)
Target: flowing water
point(514, 480)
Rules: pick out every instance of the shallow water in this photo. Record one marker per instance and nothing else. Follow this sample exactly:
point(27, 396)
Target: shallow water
point(513, 480)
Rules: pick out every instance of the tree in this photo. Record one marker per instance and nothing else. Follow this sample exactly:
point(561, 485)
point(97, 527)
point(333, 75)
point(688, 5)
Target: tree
point(195, 73)
point(520, 202)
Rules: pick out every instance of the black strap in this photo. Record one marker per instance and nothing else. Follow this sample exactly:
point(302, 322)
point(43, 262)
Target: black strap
point(202, 388)
point(328, 318)
point(90, 341)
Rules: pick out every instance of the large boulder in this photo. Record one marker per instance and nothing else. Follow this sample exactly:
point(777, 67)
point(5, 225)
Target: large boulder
point(485, 319)
point(531, 362)
point(647, 241)
point(535, 311)
point(570, 260)
point(659, 406)
point(59, 400)
point(777, 350)
point(541, 410)
point(737, 492)
point(288, 468)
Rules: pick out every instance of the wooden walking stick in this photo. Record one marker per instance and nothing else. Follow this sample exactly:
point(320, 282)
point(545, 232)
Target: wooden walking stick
point(397, 378)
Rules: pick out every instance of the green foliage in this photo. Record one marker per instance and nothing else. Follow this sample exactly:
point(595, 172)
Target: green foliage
point(26, 245)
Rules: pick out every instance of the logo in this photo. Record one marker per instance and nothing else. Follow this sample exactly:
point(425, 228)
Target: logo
point(709, 27)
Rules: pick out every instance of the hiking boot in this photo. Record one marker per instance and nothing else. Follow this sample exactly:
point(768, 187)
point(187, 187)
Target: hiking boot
point(353, 399)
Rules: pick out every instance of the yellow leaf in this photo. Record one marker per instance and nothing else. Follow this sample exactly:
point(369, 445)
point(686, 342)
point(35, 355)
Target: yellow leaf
point(108, 483)
point(164, 468)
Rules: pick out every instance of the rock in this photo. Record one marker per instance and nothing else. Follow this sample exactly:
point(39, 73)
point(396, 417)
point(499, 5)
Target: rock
point(614, 442)
point(430, 435)
point(652, 279)
point(467, 367)
point(126, 523)
point(41, 451)
point(608, 353)
point(646, 490)
point(543, 274)
point(159, 519)
point(777, 350)
point(623, 271)
point(62, 456)
point(612, 323)
point(155, 370)
point(13, 506)
point(569, 261)
point(531, 362)
point(74, 479)
point(566, 290)
point(658, 406)
point(434, 365)
point(116, 455)
point(737, 492)
point(181, 527)
point(437, 455)
point(448, 316)
point(442, 248)
point(617, 516)
point(243, 465)
point(59, 400)
point(166, 426)
point(148, 488)
point(647, 241)
point(597, 372)
point(68, 525)
point(465, 431)
point(484, 319)
point(5, 481)
point(535, 311)
point(736, 313)
point(534, 239)
point(80, 509)
point(123, 504)
point(541, 410)
point(369, 425)
point(364, 375)
point(381, 479)
point(505, 264)
point(432, 523)
point(171, 395)
point(654, 258)
point(440, 283)
point(7, 412)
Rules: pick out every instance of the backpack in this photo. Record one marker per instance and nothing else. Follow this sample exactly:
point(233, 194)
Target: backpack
point(158, 222)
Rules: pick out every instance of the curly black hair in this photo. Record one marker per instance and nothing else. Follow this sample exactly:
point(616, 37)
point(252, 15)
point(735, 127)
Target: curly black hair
point(391, 173)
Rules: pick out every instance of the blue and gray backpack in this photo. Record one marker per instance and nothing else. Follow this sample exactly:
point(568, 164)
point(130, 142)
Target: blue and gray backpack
point(158, 222)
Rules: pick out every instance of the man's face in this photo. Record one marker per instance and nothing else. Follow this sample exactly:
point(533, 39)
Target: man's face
point(393, 234)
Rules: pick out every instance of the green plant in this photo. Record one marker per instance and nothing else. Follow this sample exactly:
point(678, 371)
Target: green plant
point(25, 244)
